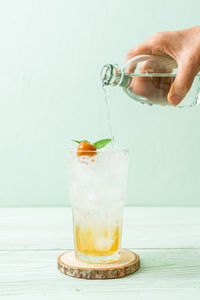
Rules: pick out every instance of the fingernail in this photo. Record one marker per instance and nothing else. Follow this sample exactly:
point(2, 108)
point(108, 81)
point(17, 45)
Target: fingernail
point(175, 99)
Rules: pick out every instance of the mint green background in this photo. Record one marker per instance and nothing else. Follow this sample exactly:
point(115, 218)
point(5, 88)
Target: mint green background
point(51, 53)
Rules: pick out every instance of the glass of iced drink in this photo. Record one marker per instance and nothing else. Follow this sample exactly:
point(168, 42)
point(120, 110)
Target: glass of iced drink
point(97, 184)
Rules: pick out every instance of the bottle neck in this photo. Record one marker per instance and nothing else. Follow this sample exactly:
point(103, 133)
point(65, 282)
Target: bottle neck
point(113, 75)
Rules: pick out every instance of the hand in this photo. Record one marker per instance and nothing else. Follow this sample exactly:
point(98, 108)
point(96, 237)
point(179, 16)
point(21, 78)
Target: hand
point(184, 47)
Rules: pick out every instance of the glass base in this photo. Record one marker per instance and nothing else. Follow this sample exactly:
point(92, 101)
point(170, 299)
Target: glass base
point(98, 259)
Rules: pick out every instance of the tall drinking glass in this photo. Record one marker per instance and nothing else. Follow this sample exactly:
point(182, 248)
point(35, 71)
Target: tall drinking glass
point(97, 185)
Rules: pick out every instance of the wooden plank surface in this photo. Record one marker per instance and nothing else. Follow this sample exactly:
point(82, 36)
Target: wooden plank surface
point(167, 240)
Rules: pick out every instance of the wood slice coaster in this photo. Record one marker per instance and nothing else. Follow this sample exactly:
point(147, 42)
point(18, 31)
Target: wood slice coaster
point(68, 264)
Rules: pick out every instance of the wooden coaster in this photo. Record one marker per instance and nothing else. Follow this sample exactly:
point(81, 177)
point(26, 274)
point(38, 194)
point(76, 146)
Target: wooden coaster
point(68, 264)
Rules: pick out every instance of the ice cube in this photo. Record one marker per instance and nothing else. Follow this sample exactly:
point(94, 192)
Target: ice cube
point(103, 244)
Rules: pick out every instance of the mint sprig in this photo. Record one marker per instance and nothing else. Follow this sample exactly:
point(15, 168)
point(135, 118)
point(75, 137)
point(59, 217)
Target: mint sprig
point(102, 143)
point(98, 145)
point(78, 142)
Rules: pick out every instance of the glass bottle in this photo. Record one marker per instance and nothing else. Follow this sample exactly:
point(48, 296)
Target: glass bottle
point(147, 79)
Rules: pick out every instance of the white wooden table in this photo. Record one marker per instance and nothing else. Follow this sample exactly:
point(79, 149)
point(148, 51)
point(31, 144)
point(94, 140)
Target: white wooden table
point(167, 240)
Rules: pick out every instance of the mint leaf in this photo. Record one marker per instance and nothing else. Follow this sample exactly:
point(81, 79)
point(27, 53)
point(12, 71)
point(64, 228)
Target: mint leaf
point(102, 143)
point(80, 141)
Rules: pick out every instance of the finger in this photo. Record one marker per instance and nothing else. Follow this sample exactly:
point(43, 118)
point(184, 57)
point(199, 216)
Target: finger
point(143, 48)
point(182, 83)
point(141, 61)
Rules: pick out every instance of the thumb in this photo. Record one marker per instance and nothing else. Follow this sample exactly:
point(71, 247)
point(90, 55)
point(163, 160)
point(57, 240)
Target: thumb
point(182, 83)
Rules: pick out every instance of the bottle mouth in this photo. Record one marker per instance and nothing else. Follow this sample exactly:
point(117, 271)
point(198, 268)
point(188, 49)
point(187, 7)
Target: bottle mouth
point(106, 74)
point(110, 73)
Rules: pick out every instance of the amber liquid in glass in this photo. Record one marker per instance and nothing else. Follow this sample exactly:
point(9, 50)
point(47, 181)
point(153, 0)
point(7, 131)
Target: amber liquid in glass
point(97, 240)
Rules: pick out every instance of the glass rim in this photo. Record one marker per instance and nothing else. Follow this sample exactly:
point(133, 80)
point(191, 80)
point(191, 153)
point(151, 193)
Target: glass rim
point(102, 150)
